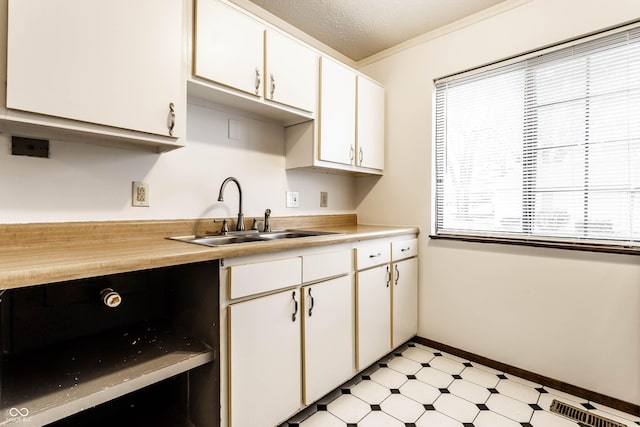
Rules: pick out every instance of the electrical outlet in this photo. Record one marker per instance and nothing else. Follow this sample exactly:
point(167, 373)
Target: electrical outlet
point(139, 194)
point(29, 147)
point(324, 199)
point(293, 199)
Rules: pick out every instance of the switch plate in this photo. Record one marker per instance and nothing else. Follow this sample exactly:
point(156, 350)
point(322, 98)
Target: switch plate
point(139, 193)
point(324, 199)
point(293, 199)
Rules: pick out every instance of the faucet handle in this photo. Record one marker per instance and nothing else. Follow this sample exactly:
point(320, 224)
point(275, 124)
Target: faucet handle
point(267, 223)
point(254, 224)
point(225, 226)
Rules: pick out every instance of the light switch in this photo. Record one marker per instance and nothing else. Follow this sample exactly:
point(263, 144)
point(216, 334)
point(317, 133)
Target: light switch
point(293, 199)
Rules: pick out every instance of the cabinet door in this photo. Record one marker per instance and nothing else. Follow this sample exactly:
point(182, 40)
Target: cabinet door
point(405, 300)
point(370, 124)
point(291, 72)
point(115, 63)
point(337, 118)
point(328, 336)
point(373, 314)
point(264, 359)
point(228, 47)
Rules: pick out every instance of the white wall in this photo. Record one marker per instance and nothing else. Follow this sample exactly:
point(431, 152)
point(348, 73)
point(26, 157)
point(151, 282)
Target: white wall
point(85, 182)
point(573, 316)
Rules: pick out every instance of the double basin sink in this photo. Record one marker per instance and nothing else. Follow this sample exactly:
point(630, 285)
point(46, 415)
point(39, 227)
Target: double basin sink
point(252, 236)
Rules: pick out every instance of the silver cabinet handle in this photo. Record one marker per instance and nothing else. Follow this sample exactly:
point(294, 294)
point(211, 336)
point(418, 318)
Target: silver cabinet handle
point(295, 310)
point(388, 276)
point(361, 156)
point(405, 249)
point(312, 303)
point(171, 122)
point(351, 154)
point(273, 85)
point(397, 274)
point(257, 81)
point(375, 256)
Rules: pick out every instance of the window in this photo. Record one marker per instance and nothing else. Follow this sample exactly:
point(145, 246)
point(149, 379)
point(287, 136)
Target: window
point(545, 148)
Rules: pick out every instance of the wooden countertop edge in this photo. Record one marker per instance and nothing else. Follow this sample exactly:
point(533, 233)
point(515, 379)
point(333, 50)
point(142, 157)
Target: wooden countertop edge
point(32, 265)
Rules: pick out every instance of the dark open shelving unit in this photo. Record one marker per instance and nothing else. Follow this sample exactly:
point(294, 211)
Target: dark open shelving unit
point(69, 360)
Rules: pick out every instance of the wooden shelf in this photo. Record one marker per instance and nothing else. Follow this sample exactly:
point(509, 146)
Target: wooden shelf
point(61, 380)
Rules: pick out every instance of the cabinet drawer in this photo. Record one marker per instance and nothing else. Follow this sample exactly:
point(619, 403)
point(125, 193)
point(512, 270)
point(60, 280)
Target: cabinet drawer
point(330, 264)
point(370, 256)
point(404, 249)
point(249, 279)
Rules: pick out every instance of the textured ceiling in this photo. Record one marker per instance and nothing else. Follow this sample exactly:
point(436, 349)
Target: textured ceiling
point(361, 28)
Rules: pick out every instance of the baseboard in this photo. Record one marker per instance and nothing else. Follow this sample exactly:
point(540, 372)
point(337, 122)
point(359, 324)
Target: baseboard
point(590, 395)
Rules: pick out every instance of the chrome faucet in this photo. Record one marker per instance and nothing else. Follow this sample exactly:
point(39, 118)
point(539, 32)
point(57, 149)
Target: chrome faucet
point(240, 223)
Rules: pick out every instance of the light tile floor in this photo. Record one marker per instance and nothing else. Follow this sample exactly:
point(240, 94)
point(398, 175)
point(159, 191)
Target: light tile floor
point(418, 386)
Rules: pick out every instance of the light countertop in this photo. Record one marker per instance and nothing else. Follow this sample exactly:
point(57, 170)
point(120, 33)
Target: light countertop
point(55, 255)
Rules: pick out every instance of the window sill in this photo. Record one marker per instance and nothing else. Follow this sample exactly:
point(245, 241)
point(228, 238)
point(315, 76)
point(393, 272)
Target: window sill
point(590, 247)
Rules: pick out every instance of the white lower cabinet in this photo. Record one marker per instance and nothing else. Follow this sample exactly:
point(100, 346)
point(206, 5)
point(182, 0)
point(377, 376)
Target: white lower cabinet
point(386, 296)
point(405, 300)
point(264, 359)
point(373, 314)
point(328, 336)
point(300, 323)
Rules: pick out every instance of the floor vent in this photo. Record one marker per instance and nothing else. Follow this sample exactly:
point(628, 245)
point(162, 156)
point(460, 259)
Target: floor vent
point(583, 416)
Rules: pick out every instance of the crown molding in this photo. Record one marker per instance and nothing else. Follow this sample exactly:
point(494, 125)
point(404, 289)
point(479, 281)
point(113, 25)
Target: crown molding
point(439, 32)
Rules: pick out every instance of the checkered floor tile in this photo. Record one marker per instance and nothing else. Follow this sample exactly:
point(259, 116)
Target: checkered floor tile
point(422, 387)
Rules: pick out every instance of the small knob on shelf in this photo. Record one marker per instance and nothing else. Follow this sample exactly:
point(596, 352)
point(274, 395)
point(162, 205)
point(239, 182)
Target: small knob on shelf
point(110, 298)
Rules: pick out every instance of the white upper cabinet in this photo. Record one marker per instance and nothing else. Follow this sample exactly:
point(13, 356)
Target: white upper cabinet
point(348, 134)
point(277, 76)
point(370, 124)
point(115, 63)
point(337, 118)
point(291, 72)
point(228, 47)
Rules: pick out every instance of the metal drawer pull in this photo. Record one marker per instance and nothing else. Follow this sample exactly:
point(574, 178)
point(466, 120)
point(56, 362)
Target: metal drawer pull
point(295, 310)
point(172, 118)
point(405, 249)
point(351, 154)
point(273, 85)
point(376, 255)
point(388, 276)
point(397, 274)
point(257, 81)
point(312, 303)
point(361, 155)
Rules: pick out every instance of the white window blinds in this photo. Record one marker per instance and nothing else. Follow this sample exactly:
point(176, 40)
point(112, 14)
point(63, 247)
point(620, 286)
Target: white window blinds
point(546, 148)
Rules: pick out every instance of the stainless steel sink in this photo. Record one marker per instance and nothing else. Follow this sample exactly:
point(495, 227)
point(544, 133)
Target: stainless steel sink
point(239, 237)
point(292, 234)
